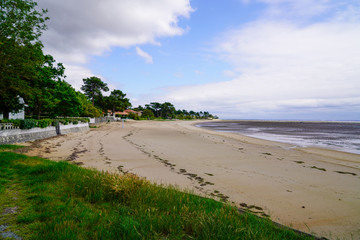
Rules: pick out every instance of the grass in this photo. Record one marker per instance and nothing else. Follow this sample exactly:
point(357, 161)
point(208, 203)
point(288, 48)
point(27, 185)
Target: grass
point(58, 200)
point(9, 147)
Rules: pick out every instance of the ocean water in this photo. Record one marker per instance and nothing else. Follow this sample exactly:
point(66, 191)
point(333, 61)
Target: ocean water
point(341, 136)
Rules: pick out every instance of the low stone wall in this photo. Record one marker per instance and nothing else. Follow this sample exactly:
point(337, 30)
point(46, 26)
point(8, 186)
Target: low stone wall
point(100, 120)
point(10, 136)
point(80, 127)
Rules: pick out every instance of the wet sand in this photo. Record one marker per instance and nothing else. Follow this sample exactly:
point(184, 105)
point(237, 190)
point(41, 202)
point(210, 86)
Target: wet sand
point(313, 190)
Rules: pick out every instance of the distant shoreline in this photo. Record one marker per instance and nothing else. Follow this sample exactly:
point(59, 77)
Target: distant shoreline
point(339, 136)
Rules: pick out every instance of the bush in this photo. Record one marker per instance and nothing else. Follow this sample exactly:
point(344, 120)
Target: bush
point(28, 124)
point(64, 121)
point(134, 116)
point(44, 123)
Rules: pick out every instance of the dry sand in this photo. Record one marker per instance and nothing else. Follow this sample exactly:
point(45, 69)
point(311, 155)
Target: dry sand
point(313, 190)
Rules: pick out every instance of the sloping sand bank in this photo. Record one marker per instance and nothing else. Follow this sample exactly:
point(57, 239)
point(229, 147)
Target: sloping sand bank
point(313, 190)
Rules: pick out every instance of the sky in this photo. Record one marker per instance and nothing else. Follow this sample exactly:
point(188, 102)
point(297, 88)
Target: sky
point(238, 59)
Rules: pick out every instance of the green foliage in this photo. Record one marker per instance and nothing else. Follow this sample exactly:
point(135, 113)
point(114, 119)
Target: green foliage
point(167, 111)
point(9, 147)
point(21, 25)
point(68, 102)
point(87, 109)
point(117, 101)
point(92, 88)
point(147, 114)
point(44, 123)
point(133, 116)
point(28, 123)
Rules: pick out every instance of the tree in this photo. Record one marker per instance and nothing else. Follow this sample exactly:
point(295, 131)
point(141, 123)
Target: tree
point(117, 101)
point(147, 113)
point(68, 102)
point(92, 88)
point(87, 109)
point(155, 107)
point(21, 26)
point(167, 110)
point(45, 86)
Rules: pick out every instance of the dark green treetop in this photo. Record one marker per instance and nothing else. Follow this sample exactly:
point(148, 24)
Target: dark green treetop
point(117, 101)
point(92, 88)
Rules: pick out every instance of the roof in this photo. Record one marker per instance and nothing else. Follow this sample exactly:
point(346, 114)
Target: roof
point(130, 111)
point(122, 113)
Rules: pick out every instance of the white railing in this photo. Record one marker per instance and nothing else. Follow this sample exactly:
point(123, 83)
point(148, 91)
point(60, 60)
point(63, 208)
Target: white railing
point(6, 126)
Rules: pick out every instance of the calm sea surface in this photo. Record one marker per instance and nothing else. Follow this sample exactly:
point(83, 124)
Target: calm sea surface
point(342, 136)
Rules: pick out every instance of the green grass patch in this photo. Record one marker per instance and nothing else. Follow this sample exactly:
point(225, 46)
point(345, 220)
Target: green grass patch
point(58, 200)
point(9, 147)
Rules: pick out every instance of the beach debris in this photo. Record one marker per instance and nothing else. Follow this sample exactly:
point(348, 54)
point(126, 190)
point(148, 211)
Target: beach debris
point(121, 169)
point(75, 155)
point(266, 153)
point(350, 173)
point(299, 162)
point(321, 169)
point(253, 209)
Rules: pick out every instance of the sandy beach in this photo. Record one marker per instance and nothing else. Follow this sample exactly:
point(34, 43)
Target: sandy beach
point(313, 190)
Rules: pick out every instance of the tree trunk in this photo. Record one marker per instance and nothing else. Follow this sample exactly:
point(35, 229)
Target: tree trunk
point(39, 112)
point(6, 114)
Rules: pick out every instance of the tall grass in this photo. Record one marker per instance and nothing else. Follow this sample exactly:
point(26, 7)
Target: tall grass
point(64, 201)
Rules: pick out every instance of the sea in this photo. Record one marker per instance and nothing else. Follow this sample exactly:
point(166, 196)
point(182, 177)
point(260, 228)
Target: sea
point(340, 136)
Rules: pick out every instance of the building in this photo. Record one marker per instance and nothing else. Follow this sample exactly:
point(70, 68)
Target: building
point(18, 115)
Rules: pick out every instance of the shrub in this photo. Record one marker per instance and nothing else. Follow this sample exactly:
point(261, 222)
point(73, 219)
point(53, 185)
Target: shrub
point(44, 123)
point(28, 124)
point(133, 116)
point(64, 121)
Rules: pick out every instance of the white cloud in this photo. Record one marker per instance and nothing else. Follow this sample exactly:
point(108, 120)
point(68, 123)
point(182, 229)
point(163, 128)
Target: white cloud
point(75, 74)
point(229, 73)
point(284, 67)
point(80, 29)
point(78, 73)
point(144, 55)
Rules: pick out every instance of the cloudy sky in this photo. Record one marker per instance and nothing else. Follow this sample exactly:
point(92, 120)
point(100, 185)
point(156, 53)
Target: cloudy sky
point(238, 59)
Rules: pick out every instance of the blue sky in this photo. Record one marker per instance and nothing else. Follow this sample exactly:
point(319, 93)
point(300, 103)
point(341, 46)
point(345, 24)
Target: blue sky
point(238, 59)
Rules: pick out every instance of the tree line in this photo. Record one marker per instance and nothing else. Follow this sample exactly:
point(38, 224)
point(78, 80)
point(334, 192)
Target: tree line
point(27, 72)
point(167, 110)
